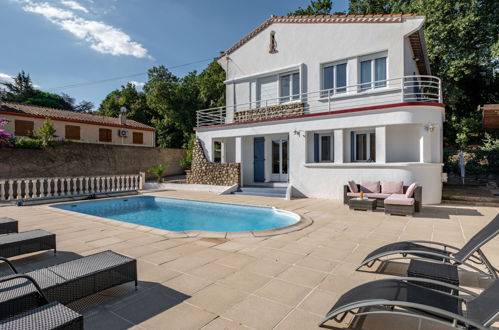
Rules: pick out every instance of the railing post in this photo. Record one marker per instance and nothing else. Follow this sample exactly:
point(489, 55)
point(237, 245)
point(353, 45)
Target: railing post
point(18, 182)
point(402, 83)
point(329, 100)
point(142, 180)
point(440, 95)
point(2, 190)
point(11, 189)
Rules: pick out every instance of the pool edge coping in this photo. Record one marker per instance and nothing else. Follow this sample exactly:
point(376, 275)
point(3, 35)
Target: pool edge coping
point(302, 223)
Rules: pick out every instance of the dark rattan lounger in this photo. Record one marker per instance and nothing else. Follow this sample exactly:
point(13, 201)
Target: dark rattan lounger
point(26, 242)
point(470, 255)
point(403, 296)
point(65, 282)
point(8, 225)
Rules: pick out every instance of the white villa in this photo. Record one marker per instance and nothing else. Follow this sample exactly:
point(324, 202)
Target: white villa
point(315, 101)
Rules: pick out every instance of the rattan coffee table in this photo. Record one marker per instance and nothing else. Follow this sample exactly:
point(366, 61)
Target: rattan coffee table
point(365, 204)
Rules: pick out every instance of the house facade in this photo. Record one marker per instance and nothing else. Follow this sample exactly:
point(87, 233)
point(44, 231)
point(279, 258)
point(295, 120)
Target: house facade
point(74, 126)
point(316, 101)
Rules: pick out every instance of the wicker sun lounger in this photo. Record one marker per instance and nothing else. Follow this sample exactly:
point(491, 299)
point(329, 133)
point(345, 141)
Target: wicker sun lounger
point(65, 282)
point(26, 242)
point(8, 225)
point(403, 296)
point(470, 255)
point(48, 316)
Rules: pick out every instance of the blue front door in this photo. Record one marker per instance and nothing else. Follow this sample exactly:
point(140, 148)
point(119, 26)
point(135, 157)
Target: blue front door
point(259, 159)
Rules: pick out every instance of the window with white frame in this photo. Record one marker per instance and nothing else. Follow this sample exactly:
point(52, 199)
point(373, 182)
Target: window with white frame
point(334, 79)
point(323, 147)
point(217, 151)
point(364, 146)
point(373, 72)
point(289, 87)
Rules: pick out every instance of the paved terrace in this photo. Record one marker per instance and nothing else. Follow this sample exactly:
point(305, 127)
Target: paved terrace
point(286, 281)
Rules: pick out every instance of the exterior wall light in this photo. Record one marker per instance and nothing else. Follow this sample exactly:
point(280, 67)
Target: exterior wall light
point(430, 127)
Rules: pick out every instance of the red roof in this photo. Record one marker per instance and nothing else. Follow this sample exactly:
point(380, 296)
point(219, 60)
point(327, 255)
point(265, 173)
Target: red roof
point(389, 18)
point(35, 111)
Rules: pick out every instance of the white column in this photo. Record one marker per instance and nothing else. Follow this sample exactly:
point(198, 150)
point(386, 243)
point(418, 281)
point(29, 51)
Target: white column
point(297, 153)
point(338, 146)
point(381, 144)
point(239, 155)
point(424, 145)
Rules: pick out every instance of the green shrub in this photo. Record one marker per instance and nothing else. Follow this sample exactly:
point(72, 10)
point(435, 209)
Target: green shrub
point(46, 133)
point(158, 171)
point(28, 143)
point(186, 161)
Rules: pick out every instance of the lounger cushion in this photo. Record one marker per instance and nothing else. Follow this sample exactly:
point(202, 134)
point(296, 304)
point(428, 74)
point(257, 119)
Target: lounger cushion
point(392, 187)
point(369, 195)
point(410, 191)
point(370, 186)
point(399, 199)
point(352, 186)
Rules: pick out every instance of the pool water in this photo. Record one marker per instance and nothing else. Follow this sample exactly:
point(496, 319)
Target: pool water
point(183, 215)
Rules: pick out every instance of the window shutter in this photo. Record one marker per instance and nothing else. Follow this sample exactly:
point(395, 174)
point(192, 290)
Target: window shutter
point(138, 138)
point(72, 132)
point(352, 146)
point(23, 127)
point(316, 147)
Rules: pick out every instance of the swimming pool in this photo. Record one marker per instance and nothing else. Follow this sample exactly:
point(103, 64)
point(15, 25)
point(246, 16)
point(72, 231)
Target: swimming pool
point(184, 215)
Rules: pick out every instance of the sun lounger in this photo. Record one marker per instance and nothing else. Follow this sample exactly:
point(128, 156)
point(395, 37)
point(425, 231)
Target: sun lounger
point(403, 296)
point(470, 255)
point(48, 316)
point(8, 225)
point(65, 282)
point(26, 242)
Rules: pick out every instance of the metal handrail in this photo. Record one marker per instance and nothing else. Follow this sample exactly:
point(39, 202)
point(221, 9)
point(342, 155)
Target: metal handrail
point(414, 88)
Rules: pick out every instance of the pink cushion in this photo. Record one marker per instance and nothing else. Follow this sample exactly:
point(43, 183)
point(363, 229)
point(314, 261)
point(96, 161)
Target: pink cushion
point(392, 187)
point(399, 199)
point(353, 187)
point(410, 191)
point(376, 195)
point(369, 186)
point(351, 194)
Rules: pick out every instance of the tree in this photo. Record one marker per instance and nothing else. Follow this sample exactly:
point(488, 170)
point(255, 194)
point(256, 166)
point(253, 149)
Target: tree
point(461, 38)
point(46, 133)
point(134, 101)
point(84, 107)
point(211, 85)
point(318, 7)
point(20, 88)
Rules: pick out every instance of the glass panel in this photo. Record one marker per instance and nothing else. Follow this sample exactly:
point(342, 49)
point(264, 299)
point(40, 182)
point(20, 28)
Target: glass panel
point(328, 73)
point(372, 147)
point(325, 148)
point(296, 86)
point(360, 147)
point(285, 85)
point(284, 157)
point(380, 72)
point(341, 78)
point(217, 152)
point(365, 75)
point(275, 157)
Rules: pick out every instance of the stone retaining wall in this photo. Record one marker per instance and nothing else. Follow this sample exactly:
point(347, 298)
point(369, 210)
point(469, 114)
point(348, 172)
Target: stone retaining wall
point(276, 111)
point(84, 159)
point(206, 172)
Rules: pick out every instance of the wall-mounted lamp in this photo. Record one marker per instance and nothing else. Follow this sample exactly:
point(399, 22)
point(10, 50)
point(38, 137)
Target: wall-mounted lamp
point(296, 132)
point(430, 127)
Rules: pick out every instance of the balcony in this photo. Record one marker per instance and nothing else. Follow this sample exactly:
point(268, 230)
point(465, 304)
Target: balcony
point(378, 93)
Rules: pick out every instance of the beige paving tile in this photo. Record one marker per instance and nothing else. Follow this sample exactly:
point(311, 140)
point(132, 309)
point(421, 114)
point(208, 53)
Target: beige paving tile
point(299, 320)
point(258, 313)
point(212, 271)
point(245, 280)
point(221, 323)
point(182, 316)
point(302, 276)
point(236, 260)
point(187, 284)
point(217, 298)
point(283, 292)
point(319, 302)
point(268, 267)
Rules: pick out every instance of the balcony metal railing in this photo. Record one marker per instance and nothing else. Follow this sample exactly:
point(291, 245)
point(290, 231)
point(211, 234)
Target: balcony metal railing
point(415, 88)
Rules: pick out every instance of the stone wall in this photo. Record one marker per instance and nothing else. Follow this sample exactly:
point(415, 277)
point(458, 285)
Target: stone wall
point(272, 112)
point(205, 172)
point(79, 159)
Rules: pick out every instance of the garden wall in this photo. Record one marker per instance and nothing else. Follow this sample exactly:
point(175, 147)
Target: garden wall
point(78, 159)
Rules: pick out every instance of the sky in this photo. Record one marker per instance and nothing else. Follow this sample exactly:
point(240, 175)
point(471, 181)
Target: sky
point(77, 47)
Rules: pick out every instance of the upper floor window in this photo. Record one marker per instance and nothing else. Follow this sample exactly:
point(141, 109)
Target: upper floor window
point(334, 79)
point(23, 127)
point(373, 73)
point(289, 87)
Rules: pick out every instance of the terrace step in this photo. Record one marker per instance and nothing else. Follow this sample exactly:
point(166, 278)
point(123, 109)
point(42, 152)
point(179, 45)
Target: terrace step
point(262, 191)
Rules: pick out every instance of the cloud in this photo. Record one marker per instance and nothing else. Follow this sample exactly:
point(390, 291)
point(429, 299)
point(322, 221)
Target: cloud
point(74, 5)
point(5, 78)
point(137, 84)
point(102, 37)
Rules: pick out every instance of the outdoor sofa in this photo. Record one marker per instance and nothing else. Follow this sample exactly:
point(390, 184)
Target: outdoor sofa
point(8, 225)
point(65, 282)
point(26, 242)
point(405, 296)
point(393, 196)
point(470, 255)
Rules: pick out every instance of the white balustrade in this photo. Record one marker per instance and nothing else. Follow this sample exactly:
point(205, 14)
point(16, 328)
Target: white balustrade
point(29, 188)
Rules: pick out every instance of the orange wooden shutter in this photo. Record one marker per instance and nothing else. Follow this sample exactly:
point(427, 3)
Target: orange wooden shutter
point(138, 138)
point(23, 127)
point(105, 135)
point(72, 132)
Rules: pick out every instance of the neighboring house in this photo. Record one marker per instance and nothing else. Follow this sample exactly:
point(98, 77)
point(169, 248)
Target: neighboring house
point(83, 127)
point(315, 101)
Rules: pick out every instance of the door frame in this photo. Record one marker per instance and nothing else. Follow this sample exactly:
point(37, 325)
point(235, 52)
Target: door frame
point(279, 177)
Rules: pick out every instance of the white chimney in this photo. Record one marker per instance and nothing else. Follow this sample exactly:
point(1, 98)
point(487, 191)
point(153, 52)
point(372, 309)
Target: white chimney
point(122, 116)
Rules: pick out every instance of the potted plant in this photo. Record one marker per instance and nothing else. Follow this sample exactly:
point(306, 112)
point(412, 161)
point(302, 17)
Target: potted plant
point(158, 171)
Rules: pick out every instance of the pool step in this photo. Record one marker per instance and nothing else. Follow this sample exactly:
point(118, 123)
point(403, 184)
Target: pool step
point(262, 191)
